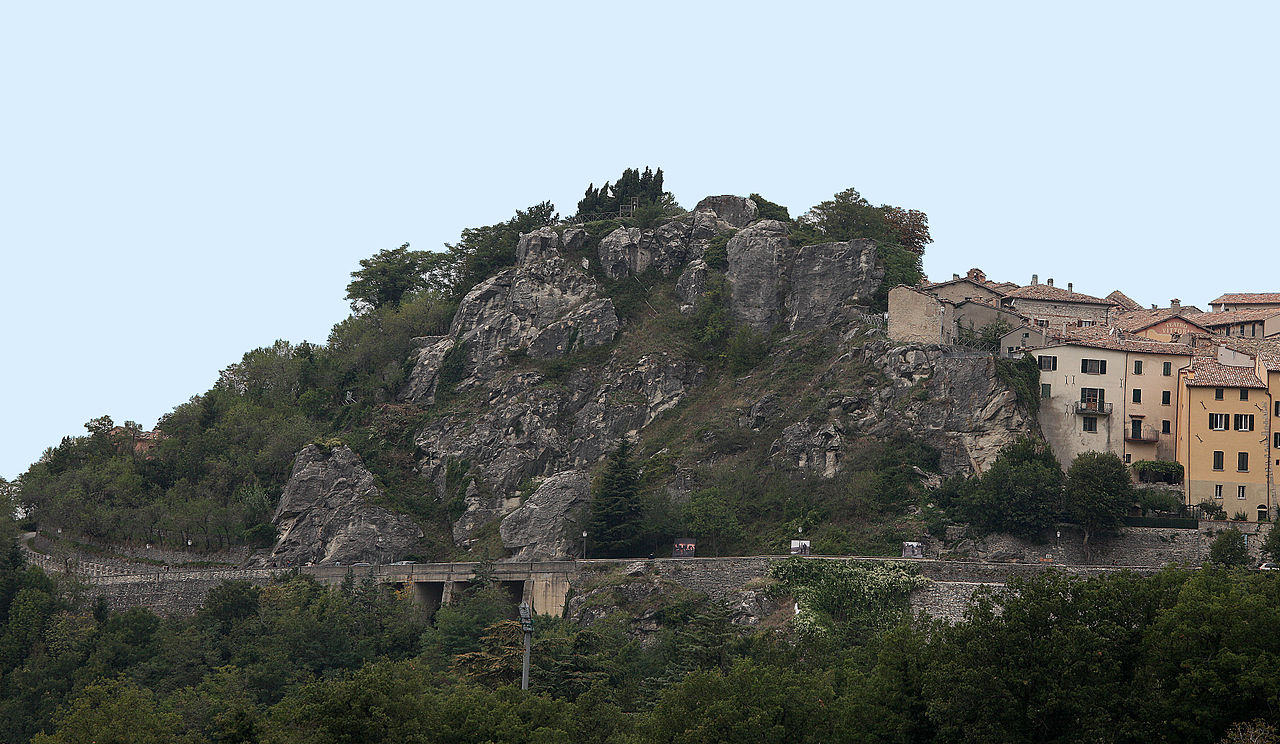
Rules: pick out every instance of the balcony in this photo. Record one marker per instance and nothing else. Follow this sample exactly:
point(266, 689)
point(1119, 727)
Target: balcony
point(1092, 408)
point(1144, 434)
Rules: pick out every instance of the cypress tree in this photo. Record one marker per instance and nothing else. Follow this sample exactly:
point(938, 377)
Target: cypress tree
point(616, 522)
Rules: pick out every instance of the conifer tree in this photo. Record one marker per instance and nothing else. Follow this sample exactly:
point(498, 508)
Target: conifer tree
point(616, 521)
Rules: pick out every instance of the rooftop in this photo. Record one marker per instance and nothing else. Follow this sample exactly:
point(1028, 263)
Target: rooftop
point(1271, 298)
point(1055, 294)
point(1208, 372)
point(1123, 300)
point(1230, 317)
point(1137, 320)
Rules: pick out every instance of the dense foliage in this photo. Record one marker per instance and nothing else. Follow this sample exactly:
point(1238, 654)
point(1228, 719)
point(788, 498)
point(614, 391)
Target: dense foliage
point(1056, 659)
point(645, 187)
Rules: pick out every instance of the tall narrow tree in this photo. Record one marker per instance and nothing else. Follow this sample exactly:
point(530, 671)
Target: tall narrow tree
point(616, 525)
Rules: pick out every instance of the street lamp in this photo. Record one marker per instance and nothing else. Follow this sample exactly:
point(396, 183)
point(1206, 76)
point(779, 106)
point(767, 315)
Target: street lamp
point(584, 544)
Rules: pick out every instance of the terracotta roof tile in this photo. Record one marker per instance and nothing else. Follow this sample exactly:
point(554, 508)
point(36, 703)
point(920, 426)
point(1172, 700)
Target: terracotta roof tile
point(1208, 372)
point(1248, 297)
point(1219, 319)
point(1123, 300)
point(1138, 320)
point(1056, 294)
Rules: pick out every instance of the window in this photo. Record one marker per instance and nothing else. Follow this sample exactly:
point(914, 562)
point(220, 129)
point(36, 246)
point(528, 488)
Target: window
point(1217, 491)
point(1244, 393)
point(1090, 423)
point(1137, 395)
point(1010, 351)
point(1092, 399)
point(1242, 462)
point(1128, 458)
point(1042, 323)
point(1137, 366)
point(1168, 369)
point(1217, 422)
point(1164, 397)
point(1217, 393)
point(1239, 492)
point(1048, 363)
point(1093, 366)
point(1278, 408)
point(1045, 390)
point(1217, 459)
point(1276, 440)
point(1244, 422)
point(1165, 427)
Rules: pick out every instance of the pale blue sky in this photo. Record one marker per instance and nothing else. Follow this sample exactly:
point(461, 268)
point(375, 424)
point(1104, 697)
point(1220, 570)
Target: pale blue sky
point(180, 184)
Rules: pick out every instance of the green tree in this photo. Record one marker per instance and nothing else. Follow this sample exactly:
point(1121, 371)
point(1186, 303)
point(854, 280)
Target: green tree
point(1270, 548)
point(388, 276)
point(113, 711)
point(767, 210)
point(616, 524)
point(1228, 549)
point(1020, 493)
point(709, 514)
point(1098, 492)
point(484, 251)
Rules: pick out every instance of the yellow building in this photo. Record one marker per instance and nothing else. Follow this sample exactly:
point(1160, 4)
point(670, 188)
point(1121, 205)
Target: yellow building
point(1225, 413)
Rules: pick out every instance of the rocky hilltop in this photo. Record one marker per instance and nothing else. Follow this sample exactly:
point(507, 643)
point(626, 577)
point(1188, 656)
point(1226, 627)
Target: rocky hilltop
point(542, 373)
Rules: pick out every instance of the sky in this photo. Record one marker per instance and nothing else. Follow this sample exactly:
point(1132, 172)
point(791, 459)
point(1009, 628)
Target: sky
point(181, 183)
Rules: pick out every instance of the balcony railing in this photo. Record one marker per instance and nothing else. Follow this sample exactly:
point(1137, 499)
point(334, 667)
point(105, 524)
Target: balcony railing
point(1145, 434)
point(1093, 408)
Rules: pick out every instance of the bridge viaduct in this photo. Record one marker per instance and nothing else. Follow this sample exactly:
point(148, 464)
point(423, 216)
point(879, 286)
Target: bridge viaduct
point(546, 586)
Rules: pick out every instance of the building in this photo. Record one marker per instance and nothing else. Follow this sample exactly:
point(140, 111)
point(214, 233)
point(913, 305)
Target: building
point(1247, 323)
point(1225, 413)
point(1246, 301)
point(1053, 307)
point(1161, 324)
point(916, 316)
point(1110, 394)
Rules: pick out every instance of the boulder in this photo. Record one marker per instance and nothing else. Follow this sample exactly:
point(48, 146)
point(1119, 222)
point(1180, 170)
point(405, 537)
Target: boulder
point(538, 530)
point(628, 251)
point(827, 279)
point(325, 515)
point(738, 211)
point(758, 258)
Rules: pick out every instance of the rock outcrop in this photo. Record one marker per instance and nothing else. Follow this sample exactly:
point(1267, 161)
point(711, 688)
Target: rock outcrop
point(543, 306)
point(949, 397)
point(533, 429)
point(539, 529)
point(813, 286)
point(325, 515)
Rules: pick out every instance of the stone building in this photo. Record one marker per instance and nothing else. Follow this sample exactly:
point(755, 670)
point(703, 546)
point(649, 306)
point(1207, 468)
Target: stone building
point(1246, 301)
point(1053, 307)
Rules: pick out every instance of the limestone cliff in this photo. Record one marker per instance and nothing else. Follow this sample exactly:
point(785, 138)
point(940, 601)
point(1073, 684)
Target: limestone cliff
point(325, 515)
point(549, 373)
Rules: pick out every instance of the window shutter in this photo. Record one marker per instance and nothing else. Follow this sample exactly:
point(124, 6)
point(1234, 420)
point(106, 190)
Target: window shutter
point(1102, 366)
point(1084, 366)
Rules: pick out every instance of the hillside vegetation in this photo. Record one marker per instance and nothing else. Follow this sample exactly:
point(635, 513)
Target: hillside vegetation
point(218, 466)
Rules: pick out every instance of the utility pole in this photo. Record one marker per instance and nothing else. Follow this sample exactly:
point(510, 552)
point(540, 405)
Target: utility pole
point(526, 624)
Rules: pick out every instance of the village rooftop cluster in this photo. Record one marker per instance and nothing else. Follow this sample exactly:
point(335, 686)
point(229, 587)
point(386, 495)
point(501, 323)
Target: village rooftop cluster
point(1161, 384)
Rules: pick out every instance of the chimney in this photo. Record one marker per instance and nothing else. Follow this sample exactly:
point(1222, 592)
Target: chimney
point(954, 277)
point(1175, 304)
point(1034, 280)
point(1154, 306)
point(1068, 286)
point(1049, 281)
